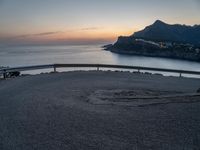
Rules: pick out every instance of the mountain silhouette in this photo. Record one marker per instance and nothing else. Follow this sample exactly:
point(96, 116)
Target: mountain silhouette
point(160, 31)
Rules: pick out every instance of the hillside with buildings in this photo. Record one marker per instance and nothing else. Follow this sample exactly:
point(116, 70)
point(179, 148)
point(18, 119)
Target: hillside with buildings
point(161, 40)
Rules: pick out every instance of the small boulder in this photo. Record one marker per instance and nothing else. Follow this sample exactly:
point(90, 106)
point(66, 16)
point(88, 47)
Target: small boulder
point(14, 74)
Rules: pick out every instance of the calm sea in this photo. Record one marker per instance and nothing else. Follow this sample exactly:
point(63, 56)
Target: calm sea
point(38, 55)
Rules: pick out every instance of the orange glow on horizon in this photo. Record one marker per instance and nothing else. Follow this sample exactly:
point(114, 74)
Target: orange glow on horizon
point(79, 35)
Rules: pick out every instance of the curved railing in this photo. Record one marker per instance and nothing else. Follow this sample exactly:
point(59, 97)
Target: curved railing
point(96, 66)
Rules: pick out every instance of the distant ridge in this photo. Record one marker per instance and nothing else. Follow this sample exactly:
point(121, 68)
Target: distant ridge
point(161, 31)
point(161, 40)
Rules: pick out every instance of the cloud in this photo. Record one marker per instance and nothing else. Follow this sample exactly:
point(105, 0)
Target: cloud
point(53, 32)
point(38, 34)
point(90, 28)
point(47, 33)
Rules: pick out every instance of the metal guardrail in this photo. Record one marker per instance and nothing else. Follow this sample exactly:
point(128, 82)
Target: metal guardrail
point(97, 66)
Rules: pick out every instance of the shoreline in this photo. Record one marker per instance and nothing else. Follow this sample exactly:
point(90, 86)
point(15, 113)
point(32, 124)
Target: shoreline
point(132, 53)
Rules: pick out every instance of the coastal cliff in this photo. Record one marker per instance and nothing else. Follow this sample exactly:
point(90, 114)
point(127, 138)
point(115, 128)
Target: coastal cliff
point(161, 40)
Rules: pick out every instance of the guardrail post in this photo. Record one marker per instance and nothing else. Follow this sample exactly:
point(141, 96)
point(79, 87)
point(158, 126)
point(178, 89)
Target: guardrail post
point(54, 68)
point(4, 74)
point(97, 68)
point(138, 70)
point(180, 75)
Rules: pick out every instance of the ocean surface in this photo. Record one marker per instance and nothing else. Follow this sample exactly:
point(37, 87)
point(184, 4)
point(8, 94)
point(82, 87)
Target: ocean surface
point(94, 54)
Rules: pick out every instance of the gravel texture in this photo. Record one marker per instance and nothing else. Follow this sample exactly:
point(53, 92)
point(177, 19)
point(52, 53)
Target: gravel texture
point(59, 112)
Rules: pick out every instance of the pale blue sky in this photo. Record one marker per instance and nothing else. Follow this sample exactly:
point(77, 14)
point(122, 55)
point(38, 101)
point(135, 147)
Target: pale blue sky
point(91, 18)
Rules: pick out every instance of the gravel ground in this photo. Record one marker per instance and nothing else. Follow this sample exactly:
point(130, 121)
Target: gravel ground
point(57, 112)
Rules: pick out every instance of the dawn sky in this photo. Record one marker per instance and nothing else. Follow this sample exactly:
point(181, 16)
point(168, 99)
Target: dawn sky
point(87, 21)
